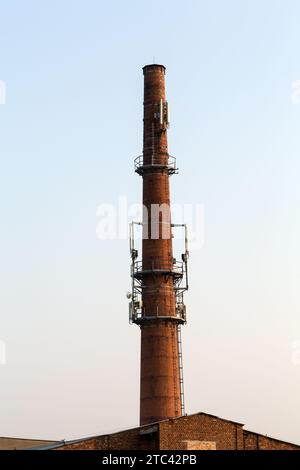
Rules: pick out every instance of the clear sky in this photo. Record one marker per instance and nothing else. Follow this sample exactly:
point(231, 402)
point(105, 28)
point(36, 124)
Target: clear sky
point(69, 131)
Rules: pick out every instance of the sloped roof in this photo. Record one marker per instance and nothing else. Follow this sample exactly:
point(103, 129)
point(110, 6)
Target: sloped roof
point(12, 443)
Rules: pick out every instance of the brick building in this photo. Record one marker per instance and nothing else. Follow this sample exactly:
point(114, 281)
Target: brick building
point(199, 431)
point(14, 443)
point(158, 281)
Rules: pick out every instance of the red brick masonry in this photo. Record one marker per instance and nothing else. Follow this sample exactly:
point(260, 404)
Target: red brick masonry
point(199, 431)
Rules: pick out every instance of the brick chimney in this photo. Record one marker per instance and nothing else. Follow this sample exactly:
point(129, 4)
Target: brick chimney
point(157, 279)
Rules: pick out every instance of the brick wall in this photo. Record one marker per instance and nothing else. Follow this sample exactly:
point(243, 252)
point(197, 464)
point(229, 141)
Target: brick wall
point(125, 440)
point(199, 431)
point(89, 444)
point(199, 445)
point(253, 441)
point(227, 435)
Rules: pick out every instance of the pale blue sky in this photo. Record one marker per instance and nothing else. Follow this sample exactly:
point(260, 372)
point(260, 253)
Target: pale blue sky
point(69, 132)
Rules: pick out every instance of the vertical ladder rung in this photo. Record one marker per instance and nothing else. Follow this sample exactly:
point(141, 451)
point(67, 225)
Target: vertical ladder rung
point(180, 365)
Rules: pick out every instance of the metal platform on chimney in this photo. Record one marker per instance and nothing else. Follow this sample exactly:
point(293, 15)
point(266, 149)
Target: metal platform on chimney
point(176, 270)
point(156, 163)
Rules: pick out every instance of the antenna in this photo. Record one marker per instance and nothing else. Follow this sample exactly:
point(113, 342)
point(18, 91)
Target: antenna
point(161, 112)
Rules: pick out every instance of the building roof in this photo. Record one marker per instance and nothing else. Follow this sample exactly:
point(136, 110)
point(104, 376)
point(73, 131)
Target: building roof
point(216, 417)
point(12, 443)
point(246, 431)
point(146, 429)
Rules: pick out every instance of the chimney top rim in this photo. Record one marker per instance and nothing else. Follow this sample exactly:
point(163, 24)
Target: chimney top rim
point(154, 65)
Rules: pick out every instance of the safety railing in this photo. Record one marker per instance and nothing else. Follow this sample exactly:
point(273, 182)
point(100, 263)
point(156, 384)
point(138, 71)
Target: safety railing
point(141, 165)
point(137, 316)
point(176, 268)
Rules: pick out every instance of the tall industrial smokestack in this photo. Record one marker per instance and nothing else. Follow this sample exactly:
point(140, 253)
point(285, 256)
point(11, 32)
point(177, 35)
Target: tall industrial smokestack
point(158, 280)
